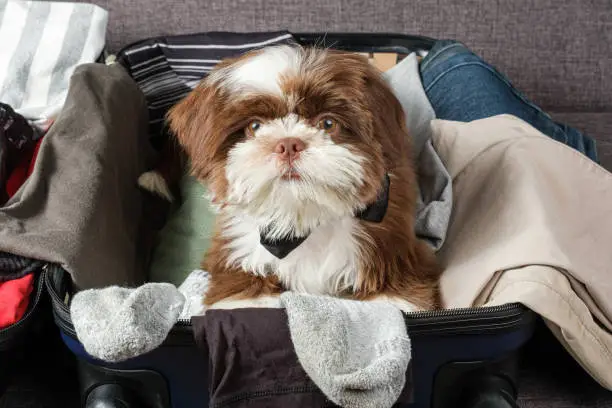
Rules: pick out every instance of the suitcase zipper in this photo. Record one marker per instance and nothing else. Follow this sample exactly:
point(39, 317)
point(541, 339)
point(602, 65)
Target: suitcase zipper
point(440, 315)
point(183, 322)
point(453, 312)
point(8, 333)
point(457, 320)
point(373, 40)
point(469, 320)
point(61, 312)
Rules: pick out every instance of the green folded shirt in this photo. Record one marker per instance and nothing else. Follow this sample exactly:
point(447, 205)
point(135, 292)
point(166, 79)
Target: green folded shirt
point(186, 236)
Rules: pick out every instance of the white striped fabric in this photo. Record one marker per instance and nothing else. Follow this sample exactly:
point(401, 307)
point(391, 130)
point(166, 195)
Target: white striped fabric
point(166, 69)
point(42, 43)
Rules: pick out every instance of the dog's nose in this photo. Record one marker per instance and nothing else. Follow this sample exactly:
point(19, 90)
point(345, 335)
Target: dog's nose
point(288, 148)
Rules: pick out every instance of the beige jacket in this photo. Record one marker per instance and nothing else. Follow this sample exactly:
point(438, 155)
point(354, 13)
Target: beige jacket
point(532, 223)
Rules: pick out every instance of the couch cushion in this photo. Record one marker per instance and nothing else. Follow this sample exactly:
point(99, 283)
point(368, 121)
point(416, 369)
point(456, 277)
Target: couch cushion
point(559, 52)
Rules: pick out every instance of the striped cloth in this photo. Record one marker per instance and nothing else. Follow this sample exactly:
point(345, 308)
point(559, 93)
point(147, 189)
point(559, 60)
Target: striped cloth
point(166, 69)
point(42, 43)
point(14, 266)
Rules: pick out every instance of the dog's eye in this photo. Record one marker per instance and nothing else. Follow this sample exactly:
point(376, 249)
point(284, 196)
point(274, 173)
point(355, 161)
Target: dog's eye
point(328, 125)
point(253, 127)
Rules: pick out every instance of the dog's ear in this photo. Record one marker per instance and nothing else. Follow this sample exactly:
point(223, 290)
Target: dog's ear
point(191, 122)
point(389, 119)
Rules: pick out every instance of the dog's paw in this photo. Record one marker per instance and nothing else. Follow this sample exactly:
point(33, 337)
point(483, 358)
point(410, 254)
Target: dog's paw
point(262, 302)
point(154, 182)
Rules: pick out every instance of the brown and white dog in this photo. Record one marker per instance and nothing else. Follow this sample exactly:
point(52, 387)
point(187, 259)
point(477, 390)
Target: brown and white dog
point(309, 163)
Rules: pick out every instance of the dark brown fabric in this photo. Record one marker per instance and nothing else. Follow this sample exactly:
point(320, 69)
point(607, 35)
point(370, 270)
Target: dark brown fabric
point(252, 360)
point(253, 363)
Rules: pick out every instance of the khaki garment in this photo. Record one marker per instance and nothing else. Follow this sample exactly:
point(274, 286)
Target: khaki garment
point(531, 223)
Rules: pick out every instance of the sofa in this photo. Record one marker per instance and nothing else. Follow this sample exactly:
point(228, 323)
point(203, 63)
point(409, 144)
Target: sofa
point(557, 52)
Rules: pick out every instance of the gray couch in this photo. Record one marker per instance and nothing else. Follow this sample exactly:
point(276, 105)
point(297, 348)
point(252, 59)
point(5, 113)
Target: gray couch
point(558, 52)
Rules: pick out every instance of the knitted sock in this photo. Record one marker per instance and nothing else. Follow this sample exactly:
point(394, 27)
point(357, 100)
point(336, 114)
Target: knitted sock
point(115, 324)
point(357, 353)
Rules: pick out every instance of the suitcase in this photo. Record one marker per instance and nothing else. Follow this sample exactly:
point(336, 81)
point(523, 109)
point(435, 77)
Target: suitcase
point(30, 349)
point(461, 357)
point(18, 339)
point(36, 368)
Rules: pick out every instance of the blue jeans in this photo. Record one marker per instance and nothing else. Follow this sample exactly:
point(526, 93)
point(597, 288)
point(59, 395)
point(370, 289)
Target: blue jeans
point(461, 86)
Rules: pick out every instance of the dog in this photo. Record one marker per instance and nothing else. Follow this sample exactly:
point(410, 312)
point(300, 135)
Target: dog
point(308, 160)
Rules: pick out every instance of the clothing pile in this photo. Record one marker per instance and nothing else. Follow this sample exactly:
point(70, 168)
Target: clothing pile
point(19, 144)
point(50, 40)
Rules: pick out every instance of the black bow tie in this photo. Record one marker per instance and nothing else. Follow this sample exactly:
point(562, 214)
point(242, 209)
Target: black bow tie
point(374, 212)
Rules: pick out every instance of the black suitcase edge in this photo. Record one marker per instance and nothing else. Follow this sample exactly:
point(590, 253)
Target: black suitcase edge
point(492, 383)
point(354, 42)
point(368, 42)
point(10, 335)
point(479, 320)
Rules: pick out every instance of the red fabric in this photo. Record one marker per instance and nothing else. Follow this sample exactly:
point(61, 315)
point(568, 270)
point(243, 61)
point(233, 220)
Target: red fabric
point(22, 170)
point(15, 294)
point(14, 299)
point(34, 156)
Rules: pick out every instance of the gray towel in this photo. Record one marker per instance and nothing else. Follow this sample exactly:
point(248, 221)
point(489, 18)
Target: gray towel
point(357, 353)
point(436, 197)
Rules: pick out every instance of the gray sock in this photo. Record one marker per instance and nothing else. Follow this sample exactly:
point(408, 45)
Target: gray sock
point(115, 324)
point(357, 353)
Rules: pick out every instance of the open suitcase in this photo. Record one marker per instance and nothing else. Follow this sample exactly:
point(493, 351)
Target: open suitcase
point(461, 357)
point(18, 338)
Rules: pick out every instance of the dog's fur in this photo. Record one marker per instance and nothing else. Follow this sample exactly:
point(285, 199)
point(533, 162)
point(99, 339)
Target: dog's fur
point(289, 91)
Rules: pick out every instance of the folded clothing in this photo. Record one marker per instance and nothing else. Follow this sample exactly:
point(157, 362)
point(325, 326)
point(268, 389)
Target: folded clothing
point(435, 198)
point(42, 45)
point(178, 63)
point(185, 237)
point(252, 362)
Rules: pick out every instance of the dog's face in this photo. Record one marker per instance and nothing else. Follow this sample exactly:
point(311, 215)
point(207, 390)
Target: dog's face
point(293, 137)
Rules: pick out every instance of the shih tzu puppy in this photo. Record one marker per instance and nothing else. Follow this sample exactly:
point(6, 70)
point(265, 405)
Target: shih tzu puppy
point(309, 163)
